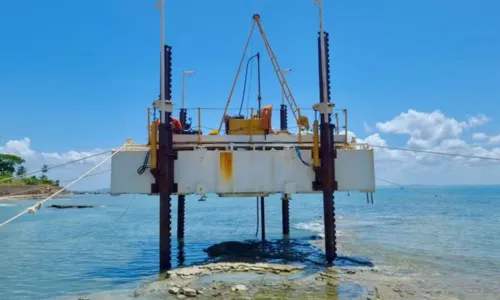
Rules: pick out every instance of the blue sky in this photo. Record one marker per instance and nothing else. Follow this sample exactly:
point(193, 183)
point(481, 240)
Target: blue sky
point(78, 75)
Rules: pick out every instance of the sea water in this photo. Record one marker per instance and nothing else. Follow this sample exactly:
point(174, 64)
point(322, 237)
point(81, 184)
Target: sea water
point(448, 234)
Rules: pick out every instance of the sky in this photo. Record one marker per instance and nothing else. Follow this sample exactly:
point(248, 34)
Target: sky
point(76, 76)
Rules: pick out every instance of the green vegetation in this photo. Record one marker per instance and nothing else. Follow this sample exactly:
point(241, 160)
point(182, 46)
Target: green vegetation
point(12, 165)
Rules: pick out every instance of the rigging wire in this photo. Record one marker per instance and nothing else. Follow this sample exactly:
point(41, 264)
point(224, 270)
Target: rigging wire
point(56, 166)
point(32, 209)
point(5, 197)
point(90, 175)
point(436, 152)
point(257, 226)
point(402, 187)
point(114, 221)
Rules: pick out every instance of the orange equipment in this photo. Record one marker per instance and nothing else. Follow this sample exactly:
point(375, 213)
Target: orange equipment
point(302, 121)
point(265, 115)
point(176, 124)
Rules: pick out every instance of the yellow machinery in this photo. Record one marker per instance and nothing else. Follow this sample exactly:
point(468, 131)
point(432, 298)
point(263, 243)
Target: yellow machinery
point(244, 126)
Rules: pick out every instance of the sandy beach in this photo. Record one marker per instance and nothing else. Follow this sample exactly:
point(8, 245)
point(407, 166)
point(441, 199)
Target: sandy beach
point(27, 192)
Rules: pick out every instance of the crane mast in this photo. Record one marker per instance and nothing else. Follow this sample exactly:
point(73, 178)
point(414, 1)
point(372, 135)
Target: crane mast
point(279, 73)
point(301, 121)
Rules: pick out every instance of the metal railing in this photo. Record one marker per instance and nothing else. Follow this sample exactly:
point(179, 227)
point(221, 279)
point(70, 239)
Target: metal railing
point(310, 114)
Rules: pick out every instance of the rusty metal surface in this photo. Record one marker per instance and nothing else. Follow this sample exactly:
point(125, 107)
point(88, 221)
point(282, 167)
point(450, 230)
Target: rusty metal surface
point(226, 166)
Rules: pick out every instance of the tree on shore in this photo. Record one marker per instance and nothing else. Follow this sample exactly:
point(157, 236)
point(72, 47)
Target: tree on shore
point(21, 171)
point(10, 164)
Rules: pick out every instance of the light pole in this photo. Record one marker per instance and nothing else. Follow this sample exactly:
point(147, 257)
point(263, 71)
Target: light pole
point(282, 93)
point(323, 55)
point(161, 6)
point(183, 85)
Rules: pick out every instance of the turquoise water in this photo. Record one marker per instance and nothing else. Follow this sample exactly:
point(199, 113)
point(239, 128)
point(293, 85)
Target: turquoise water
point(451, 233)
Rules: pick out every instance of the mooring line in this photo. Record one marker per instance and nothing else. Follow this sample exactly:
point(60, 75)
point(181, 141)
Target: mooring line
point(435, 152)
point(32, 209)
point(56, 166)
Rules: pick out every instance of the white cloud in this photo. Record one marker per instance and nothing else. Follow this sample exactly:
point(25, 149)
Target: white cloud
point(479, 136)
point(425, 130)
point(494, 139)
point(428, 131)
point(350, 134)
point(434, 131)
point(367, 127)
point(35, 160)
point(477, 120)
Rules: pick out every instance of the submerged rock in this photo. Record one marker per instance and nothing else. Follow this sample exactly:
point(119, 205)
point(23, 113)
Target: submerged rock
point(59, 206)
point(230, 248)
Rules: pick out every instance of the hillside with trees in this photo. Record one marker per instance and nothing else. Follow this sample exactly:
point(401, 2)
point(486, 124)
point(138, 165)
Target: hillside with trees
point(13, 166)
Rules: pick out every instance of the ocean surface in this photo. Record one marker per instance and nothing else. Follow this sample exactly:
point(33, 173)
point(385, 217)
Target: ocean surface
point(448, 234)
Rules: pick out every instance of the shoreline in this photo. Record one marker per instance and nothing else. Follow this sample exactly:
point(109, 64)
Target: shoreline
point(29, 192)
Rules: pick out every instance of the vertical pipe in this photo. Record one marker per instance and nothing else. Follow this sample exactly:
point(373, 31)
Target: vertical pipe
point(283, 117)
point(300, 121)
point(251, 124)
point(285, 214)
point(327, 178)
point(149, 126)
point(181, 211)
point(315, 144)
point(154, 145)
point(259, 96)
point(183, 117)
point(337, 123)
point(327, 153)
point(165, 175)
point(199, 125)
point(165, 182)
point(183, 94)
point(323, 78)
point(180, 253)
point(162, 51)
point(263, 218)
point(345, 125)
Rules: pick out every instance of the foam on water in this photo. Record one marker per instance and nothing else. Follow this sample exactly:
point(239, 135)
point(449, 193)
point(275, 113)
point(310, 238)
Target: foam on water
point(317, 227)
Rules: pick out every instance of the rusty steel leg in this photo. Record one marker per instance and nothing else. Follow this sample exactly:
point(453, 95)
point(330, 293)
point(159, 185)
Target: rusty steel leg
point(181, 212)
point(327, 179)
point(180, 253)
point(165, 185)
point(263, 218)
point(285, 215)
point(327, 155)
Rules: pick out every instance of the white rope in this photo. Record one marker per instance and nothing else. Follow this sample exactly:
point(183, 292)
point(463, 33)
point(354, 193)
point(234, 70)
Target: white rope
point(34, 208)
point(56, 166)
